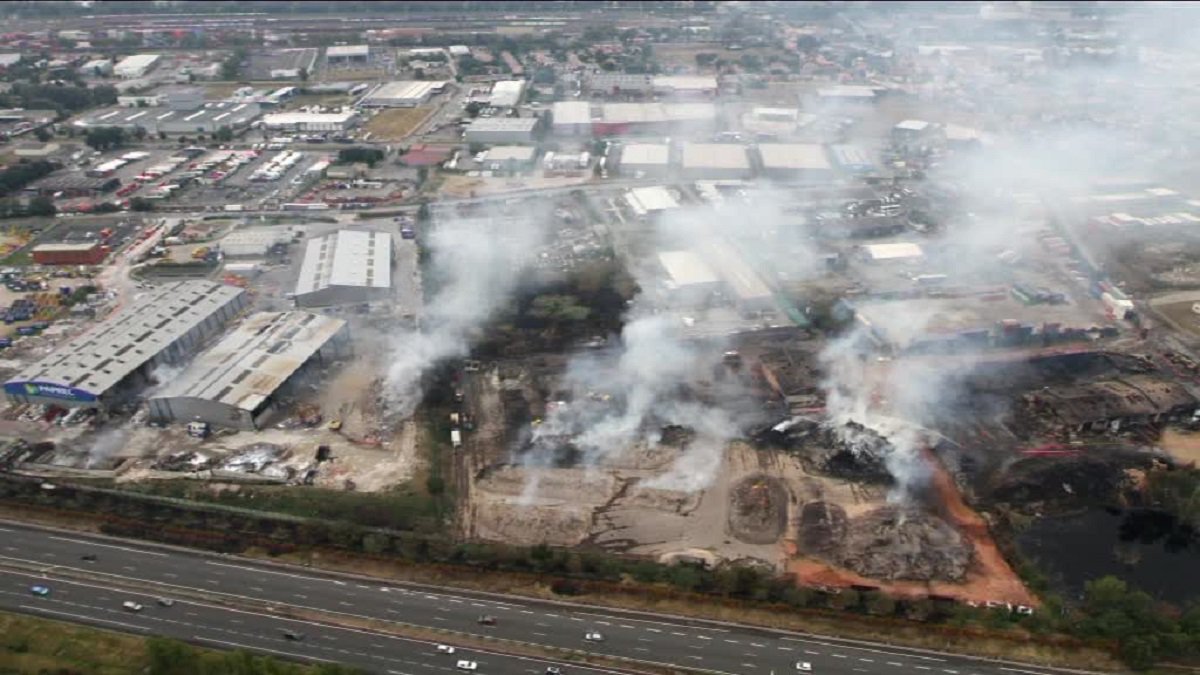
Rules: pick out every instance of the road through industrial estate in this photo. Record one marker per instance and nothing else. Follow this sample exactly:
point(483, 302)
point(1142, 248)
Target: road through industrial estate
point(231, 602)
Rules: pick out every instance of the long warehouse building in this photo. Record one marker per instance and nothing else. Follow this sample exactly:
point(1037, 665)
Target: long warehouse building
point(103, 366)
point(239, 381)
point(345, 267)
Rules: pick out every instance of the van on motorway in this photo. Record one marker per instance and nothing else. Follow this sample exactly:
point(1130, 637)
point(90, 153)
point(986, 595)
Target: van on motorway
point(131, 606)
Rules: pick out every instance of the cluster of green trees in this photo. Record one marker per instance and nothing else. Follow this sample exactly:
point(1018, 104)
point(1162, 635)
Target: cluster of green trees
point(14, 178)
point(1177, 492)
point(172, 657)
point(106, 138)
point(1145, 632)
point(231, 67)
point(62, 98)
point(37, 206)
point(590, 300)
point(369, 156)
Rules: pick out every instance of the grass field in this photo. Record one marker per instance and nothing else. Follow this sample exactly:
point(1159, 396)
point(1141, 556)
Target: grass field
point(33, 645)
point(397, 123)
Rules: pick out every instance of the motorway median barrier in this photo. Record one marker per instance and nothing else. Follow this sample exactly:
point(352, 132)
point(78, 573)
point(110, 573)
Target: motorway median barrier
point(336, 619)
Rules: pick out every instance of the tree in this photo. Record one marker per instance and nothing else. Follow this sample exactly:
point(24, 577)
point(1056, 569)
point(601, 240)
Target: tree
point(140, 204)
point(42, 206)
point(223, 135)
point(559, 308)
point(359, 155)
point(42, 134)
point(422, 175)
point(704, 59)
point(473, 109)
point(304, 74)
point(880, 604)
point(423, 213)
point(104, 138)
point(435, 485)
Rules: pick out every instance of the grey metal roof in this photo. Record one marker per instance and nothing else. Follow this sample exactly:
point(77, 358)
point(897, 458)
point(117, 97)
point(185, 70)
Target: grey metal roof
point(249, 364)
point(105, 355)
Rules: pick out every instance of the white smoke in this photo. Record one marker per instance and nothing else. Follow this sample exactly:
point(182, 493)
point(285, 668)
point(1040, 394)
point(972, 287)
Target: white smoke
point(476, 265)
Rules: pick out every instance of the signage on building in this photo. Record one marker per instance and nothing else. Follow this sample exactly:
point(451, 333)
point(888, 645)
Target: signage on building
point(48, 390)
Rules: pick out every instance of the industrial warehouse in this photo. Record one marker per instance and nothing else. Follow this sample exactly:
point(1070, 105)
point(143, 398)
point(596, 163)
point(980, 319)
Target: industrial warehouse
point(237, 382)
point(99, 368)
point(344, 267)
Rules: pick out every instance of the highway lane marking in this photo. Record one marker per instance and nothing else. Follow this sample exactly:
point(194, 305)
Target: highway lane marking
point(784, 649)
point(755, 644)
point(256, 589)
point(540, 634)
point(866, 649)
point(85, 618)
point(648, 630)
point(808, 652)
point(1018, 670)
point(645, 640)
point(260, 649)
point(603, 623)
point(921, 667)
point(952, 672)
point(678, 634)
point(871, 661)
point(733, 642)
point(640, 649)
point(749, 665)
point(542, 625)
point(120, 548)
point(127, 568)
point(218, 608)
point(625, 625)
point(839, 656)
point(170, 575)
point(656, 623)
point(893, 663)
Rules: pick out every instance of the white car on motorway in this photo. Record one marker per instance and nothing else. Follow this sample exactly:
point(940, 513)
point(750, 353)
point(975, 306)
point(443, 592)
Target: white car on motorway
point(593, 636)
point(131, 606)
point(467, 665)
point(804, 666)
point(445, 649)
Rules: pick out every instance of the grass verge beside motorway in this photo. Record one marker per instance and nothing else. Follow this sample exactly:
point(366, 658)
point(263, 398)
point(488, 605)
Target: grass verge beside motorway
point(34, 645)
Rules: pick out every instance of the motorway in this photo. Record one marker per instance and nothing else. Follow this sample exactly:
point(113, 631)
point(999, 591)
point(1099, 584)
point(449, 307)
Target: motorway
point(718, 648)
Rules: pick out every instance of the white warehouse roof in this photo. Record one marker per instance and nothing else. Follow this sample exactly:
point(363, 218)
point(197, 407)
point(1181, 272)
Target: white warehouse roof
point(346, 51)
point(685, 82)
point(100, 358)
point(793, 156)
point(510, 153)
point(507, 93)
point(847, 91)
point(686, 268)
point(413, 91)
point(358, 258)
point(571, 112)
point(642, 154)
point(893, 251)
point(715, 156)
point(650, 199)
point(249, 364)
point(913, 125)
point(136, 63)
point(288, 119)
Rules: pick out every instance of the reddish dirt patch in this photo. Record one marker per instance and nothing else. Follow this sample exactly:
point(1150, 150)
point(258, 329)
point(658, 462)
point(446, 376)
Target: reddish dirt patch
point(989, 578)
